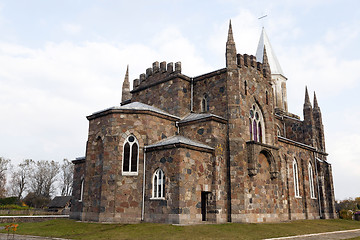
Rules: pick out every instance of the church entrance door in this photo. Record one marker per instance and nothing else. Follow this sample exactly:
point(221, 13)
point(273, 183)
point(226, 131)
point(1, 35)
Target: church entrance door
point(204, 204)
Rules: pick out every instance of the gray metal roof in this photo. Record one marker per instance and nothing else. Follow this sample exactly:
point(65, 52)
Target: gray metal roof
point(197, 116)
point(179, 139)
point(59, 202)
point(139, 106)
point(272, 59)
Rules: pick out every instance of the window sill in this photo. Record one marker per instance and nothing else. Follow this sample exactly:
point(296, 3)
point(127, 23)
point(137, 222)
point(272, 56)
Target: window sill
point(298, 197)
point(314, 198)
point(130, 174)
point(157, 198)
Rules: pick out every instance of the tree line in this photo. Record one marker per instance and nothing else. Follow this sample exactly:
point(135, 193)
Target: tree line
point(348, 207)
point(35, 182)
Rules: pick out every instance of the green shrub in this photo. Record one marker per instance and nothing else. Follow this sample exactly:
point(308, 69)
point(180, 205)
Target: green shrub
point(346, 214)
point(14, 207)
point(9, 200)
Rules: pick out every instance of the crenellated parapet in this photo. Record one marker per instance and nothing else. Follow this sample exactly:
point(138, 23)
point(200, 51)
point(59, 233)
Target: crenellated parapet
point(157, 73)
point(162, 85)
point(246, 60)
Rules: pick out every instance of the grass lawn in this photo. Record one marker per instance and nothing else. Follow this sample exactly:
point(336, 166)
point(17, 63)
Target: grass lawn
point(66, 228)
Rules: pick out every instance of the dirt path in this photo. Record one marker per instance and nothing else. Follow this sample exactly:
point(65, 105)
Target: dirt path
point(26, 237)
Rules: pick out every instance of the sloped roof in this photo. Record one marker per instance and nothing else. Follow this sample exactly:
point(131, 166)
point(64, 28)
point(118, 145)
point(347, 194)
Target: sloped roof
point(272, 59)
point(179, 139)
point(138, 106)
point(198, 116)
point(59, 201)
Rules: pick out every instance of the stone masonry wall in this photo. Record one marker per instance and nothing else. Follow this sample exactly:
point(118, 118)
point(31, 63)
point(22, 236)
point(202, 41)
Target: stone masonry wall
point(93, 179)
point(172, 96)
point(76, 205)
point(214, 86)
point(263, 199)
point(303, 207)
point(213, 134)
point(187, 173)
point(121, 196)
point(241, 97)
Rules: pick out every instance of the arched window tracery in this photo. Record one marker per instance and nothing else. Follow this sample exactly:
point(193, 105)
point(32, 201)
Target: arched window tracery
point(130, 156)
point(311, 181)
point(158, 184)
point(82, 190)
point(296, 178)
point(256, 124)
point(205, 104)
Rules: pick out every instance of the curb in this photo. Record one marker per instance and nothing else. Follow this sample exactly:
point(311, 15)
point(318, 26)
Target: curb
point(313, 234)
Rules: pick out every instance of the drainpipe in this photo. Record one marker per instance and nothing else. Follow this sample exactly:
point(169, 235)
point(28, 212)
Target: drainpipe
point(287, 184)
point(192, 95)
point(178, 129)
point(318, 186)
point(143, 193)
point(282, 118)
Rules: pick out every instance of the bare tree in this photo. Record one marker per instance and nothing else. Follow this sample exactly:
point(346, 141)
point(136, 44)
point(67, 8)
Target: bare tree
point(3, 167)
point(20, 178)
point(67, 169)
point(44, 174)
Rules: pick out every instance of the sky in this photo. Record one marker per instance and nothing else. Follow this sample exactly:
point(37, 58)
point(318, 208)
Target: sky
point(60, 61)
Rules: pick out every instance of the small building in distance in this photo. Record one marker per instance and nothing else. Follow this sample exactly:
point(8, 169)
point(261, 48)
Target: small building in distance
point(61, 204)
point(219, 147)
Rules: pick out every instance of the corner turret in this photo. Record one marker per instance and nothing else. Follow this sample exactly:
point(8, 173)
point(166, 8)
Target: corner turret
point(307, 110)
point(318, 124)
point(316, 105)
point(266, 66)
point(307, 103)
point(126, 95)
point(309, 126)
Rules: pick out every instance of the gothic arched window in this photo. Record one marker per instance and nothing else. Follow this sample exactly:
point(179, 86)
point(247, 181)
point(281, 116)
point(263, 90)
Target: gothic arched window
point(81, 190)
point(311, 181)
point(267, 98)
point(278, 131)
point(205, 104)
point(158, 184)
point(256, 124)
point(130, 156)
point(296, 178)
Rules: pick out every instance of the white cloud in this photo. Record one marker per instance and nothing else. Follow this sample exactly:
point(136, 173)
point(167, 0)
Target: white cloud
point(246, 33)
point(344, 156)
point(319, 68)
point(173, 45)
point(47, 92)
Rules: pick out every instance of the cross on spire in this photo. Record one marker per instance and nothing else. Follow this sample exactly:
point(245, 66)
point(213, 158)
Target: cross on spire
point(262, 18)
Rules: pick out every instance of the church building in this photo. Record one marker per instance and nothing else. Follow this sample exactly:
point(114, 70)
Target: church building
point(219, 147)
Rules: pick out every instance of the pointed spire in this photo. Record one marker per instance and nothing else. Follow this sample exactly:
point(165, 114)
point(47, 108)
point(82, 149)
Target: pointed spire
point(265, 62)
point(307, 99)
point(318, 124)
point(230, 50)
point(316, 106)
point(126, 95)
point(230, 38)
point(127, 74)
point(264, 43)
point(308, 111)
